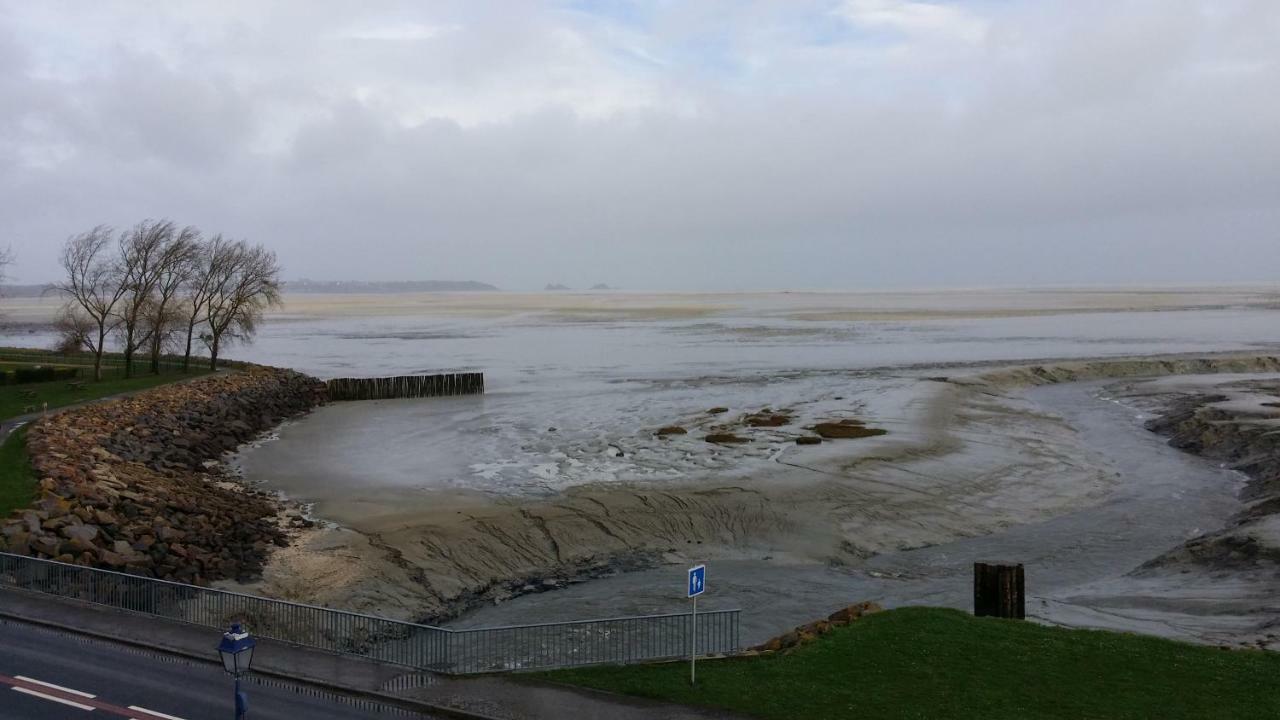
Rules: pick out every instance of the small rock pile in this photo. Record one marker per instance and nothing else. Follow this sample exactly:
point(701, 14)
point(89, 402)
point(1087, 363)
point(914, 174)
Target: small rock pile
point(132, 484)
point(808, 633)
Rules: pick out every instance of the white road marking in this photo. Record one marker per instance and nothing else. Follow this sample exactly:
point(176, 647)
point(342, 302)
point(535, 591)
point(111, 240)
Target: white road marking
point(153, 713)
point(51, 697)
point(55, 687)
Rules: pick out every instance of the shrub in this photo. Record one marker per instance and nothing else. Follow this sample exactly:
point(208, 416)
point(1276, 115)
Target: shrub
point(42, 373)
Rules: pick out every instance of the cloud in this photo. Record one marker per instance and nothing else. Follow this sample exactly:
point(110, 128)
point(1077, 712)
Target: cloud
point(408, 31)
point(716, 145)
point(927, 20)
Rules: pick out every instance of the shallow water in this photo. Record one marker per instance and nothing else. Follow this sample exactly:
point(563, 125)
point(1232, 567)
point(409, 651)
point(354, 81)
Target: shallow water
point(571, 401)
point(526, 352)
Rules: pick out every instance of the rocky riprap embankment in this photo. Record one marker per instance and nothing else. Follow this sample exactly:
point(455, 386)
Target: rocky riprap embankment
point(133, 484)
point(808, 633)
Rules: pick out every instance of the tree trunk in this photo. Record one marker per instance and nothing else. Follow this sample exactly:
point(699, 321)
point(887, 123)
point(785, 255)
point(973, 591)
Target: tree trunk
point(186, 358)
point(97, 354)
point(128, 353)
point(213, 352)
point(155, 354)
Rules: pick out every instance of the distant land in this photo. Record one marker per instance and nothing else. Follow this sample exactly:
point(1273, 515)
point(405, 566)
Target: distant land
point(26, 291)
point(402, 286)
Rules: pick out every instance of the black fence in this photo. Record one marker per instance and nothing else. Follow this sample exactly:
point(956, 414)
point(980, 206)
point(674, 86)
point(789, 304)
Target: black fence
point(541, 646)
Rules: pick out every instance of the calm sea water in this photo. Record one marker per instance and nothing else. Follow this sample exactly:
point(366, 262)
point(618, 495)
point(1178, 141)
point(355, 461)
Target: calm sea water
point(574, 397)
point(570, 401)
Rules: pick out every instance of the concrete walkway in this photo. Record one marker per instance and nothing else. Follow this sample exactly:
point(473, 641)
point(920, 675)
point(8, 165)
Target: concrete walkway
point(495, 697)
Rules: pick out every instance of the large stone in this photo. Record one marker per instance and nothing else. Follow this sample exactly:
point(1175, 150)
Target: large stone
point(764, 419)
point(169, 534)
point(725, 438)
point(111, 559)
point(45, 545)
point(846, 431)
point(846, 615)
point(17, 542)
point(84, 533)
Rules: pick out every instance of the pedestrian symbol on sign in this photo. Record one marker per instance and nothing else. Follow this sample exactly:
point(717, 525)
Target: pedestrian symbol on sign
point(697, 580)
point(697, 584)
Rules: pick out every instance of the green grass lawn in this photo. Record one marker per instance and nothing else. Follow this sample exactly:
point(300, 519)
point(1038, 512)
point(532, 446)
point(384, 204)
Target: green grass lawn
point(934, 663)
point(14, 401)
point(17, 480)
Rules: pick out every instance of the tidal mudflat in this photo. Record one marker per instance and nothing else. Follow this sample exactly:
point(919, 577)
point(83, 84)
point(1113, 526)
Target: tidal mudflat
point(556, 479)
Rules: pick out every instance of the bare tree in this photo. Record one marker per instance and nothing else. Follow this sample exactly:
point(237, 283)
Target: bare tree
point(246, 284)
point(75, 330)
point(208, 269)
point(94, 287)
point(141, 251)
point(177, 263)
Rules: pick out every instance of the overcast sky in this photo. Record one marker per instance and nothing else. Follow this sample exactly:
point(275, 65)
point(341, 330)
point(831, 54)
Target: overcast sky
point(661, 145)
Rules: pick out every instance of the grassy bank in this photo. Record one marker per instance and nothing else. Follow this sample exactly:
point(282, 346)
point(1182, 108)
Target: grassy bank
point(18, 399)
point(17, 480)
point(933, 663)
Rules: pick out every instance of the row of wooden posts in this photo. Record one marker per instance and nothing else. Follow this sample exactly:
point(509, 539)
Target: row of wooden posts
point(406, 386)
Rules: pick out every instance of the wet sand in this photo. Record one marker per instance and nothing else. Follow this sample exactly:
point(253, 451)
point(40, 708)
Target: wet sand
point(814, 306)
point(1016, 463)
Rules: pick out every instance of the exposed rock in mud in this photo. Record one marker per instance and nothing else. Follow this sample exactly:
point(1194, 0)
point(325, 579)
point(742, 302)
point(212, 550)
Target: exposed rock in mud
point(670, 430)
point(725, 438)
point(846, 430)
point(808, 440)
point(765, 418)
point(125, 484)
point(717, 410)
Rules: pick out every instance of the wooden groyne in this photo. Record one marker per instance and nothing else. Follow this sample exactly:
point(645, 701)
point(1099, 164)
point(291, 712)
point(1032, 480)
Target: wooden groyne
point(406, 386)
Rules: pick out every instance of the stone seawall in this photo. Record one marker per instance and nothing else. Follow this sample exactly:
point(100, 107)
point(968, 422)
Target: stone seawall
point(135, 484)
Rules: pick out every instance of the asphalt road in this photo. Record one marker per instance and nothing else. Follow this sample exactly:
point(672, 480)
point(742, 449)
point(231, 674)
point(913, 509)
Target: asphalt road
point(48, 674)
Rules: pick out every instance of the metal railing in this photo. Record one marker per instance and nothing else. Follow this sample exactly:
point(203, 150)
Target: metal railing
point(424, 647)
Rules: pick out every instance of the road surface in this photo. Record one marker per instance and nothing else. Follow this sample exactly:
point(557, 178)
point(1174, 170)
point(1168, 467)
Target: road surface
point(48, 674)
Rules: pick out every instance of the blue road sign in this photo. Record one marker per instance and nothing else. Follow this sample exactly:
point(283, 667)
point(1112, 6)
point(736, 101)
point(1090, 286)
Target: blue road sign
point(697, 580)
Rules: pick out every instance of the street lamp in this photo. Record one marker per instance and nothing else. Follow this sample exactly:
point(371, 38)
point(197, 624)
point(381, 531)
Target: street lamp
point(236, 650)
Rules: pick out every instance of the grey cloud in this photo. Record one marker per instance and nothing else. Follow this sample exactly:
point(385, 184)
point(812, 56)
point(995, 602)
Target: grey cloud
point(1089, 142)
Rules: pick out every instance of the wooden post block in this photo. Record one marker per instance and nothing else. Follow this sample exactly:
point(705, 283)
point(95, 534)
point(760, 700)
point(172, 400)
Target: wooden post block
point(999, 591)
point(406, 386)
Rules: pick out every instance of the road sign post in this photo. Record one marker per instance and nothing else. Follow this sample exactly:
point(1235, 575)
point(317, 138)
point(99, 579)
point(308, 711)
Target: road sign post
point(697, 585)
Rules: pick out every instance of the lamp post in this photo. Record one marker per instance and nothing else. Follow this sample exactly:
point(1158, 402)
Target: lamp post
point(236, 650)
